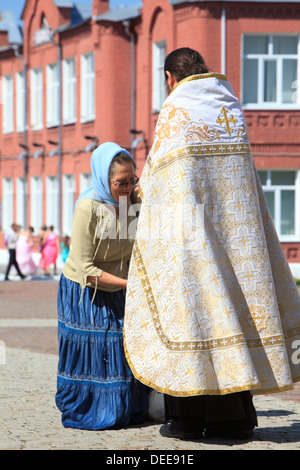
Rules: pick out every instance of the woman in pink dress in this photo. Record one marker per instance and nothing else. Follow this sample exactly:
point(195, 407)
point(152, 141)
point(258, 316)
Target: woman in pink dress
point(23, 252)
point(50, 250)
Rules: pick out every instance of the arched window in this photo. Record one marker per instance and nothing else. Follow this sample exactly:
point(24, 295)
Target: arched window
point(44, 22)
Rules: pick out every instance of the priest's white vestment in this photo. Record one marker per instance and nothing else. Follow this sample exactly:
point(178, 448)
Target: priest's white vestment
point(212, 306)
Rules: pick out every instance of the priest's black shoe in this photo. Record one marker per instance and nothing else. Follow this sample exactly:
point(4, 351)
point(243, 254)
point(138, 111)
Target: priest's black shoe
point(176, 432)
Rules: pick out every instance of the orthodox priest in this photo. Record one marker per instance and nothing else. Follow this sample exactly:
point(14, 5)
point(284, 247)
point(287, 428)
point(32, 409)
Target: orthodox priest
point(212, 311)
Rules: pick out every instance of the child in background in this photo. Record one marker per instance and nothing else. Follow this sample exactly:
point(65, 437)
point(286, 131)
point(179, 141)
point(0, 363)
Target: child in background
point(65, 248)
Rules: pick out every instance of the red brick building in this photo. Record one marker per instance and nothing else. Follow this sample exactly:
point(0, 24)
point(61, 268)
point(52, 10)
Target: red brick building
point(79, 76)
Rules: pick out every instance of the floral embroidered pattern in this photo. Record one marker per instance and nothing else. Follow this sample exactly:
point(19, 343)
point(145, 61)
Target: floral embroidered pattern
point(175, 123)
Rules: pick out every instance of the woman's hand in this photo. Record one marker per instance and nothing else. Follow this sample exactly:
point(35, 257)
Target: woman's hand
point(108, 280)
point(137, 191)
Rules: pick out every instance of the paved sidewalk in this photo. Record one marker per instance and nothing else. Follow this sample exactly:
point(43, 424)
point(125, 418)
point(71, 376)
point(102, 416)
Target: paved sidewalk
point(29, 419)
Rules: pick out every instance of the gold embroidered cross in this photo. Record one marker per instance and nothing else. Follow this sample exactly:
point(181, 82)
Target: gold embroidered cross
point(248, 276)
point(226, 120)
point(191, 372)
point(155, 357)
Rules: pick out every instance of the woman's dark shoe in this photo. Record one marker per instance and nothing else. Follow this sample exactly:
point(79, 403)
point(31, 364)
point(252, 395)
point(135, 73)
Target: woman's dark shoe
point(229, 433)
point(173, 431)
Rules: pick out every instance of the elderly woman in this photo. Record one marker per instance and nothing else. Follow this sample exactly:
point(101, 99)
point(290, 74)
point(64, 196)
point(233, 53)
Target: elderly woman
point(95, 386)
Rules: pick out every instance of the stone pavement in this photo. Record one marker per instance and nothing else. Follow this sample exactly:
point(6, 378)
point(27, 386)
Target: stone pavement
point(29, 419)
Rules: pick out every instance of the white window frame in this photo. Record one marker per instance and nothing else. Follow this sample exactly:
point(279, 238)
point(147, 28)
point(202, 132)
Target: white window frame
point(52, 201)
point(52, 76)
point(20, 202)
point(7, 104)
point(69, 91)
point(36, 98)
point(68, 203)
point(7, 203)
point(85, 181)
point(158, 76)
point(276, 189)
point(20, 102)
point(262, 59)
point(36, 198)
point(87, 94)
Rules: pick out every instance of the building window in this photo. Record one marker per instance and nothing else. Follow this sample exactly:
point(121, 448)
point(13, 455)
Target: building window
point(87, 104)
point(52, 95)
point(20, 202)
point(36, 202)
point(7, 204)
point(43, 34)
point(52, 201)
point(85, 181)
point(270, 64)
point(44, 22)
point(68, 202)
point(158, 76)
point(20, 102)
point(69, 91)
point(280, 189)
point(36, 99)
point(7, 104)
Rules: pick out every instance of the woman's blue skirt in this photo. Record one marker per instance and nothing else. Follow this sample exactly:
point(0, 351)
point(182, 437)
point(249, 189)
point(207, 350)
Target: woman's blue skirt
point(95, 386)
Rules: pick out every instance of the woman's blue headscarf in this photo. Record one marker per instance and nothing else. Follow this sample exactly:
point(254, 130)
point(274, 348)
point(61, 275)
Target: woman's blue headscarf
point(100, 163)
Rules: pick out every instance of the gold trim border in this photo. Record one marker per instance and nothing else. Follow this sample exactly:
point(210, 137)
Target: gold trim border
point(201, 76)
point(201, 345)
point(254, 387)
point(199, 150)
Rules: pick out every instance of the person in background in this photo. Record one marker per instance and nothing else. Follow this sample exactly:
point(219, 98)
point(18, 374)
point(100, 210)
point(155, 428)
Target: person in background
point(24, 253)
point(65, 248)
point(41, 235)
point(96, 389)
point(11, 243)
point(50, 250)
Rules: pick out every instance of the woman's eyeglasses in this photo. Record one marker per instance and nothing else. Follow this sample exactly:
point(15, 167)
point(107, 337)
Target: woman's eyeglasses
point(125, 184)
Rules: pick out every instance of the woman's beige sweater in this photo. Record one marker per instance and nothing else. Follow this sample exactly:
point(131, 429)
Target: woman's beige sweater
point(100, 241)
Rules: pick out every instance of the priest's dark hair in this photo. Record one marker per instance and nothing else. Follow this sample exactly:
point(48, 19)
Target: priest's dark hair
point(184, 62)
